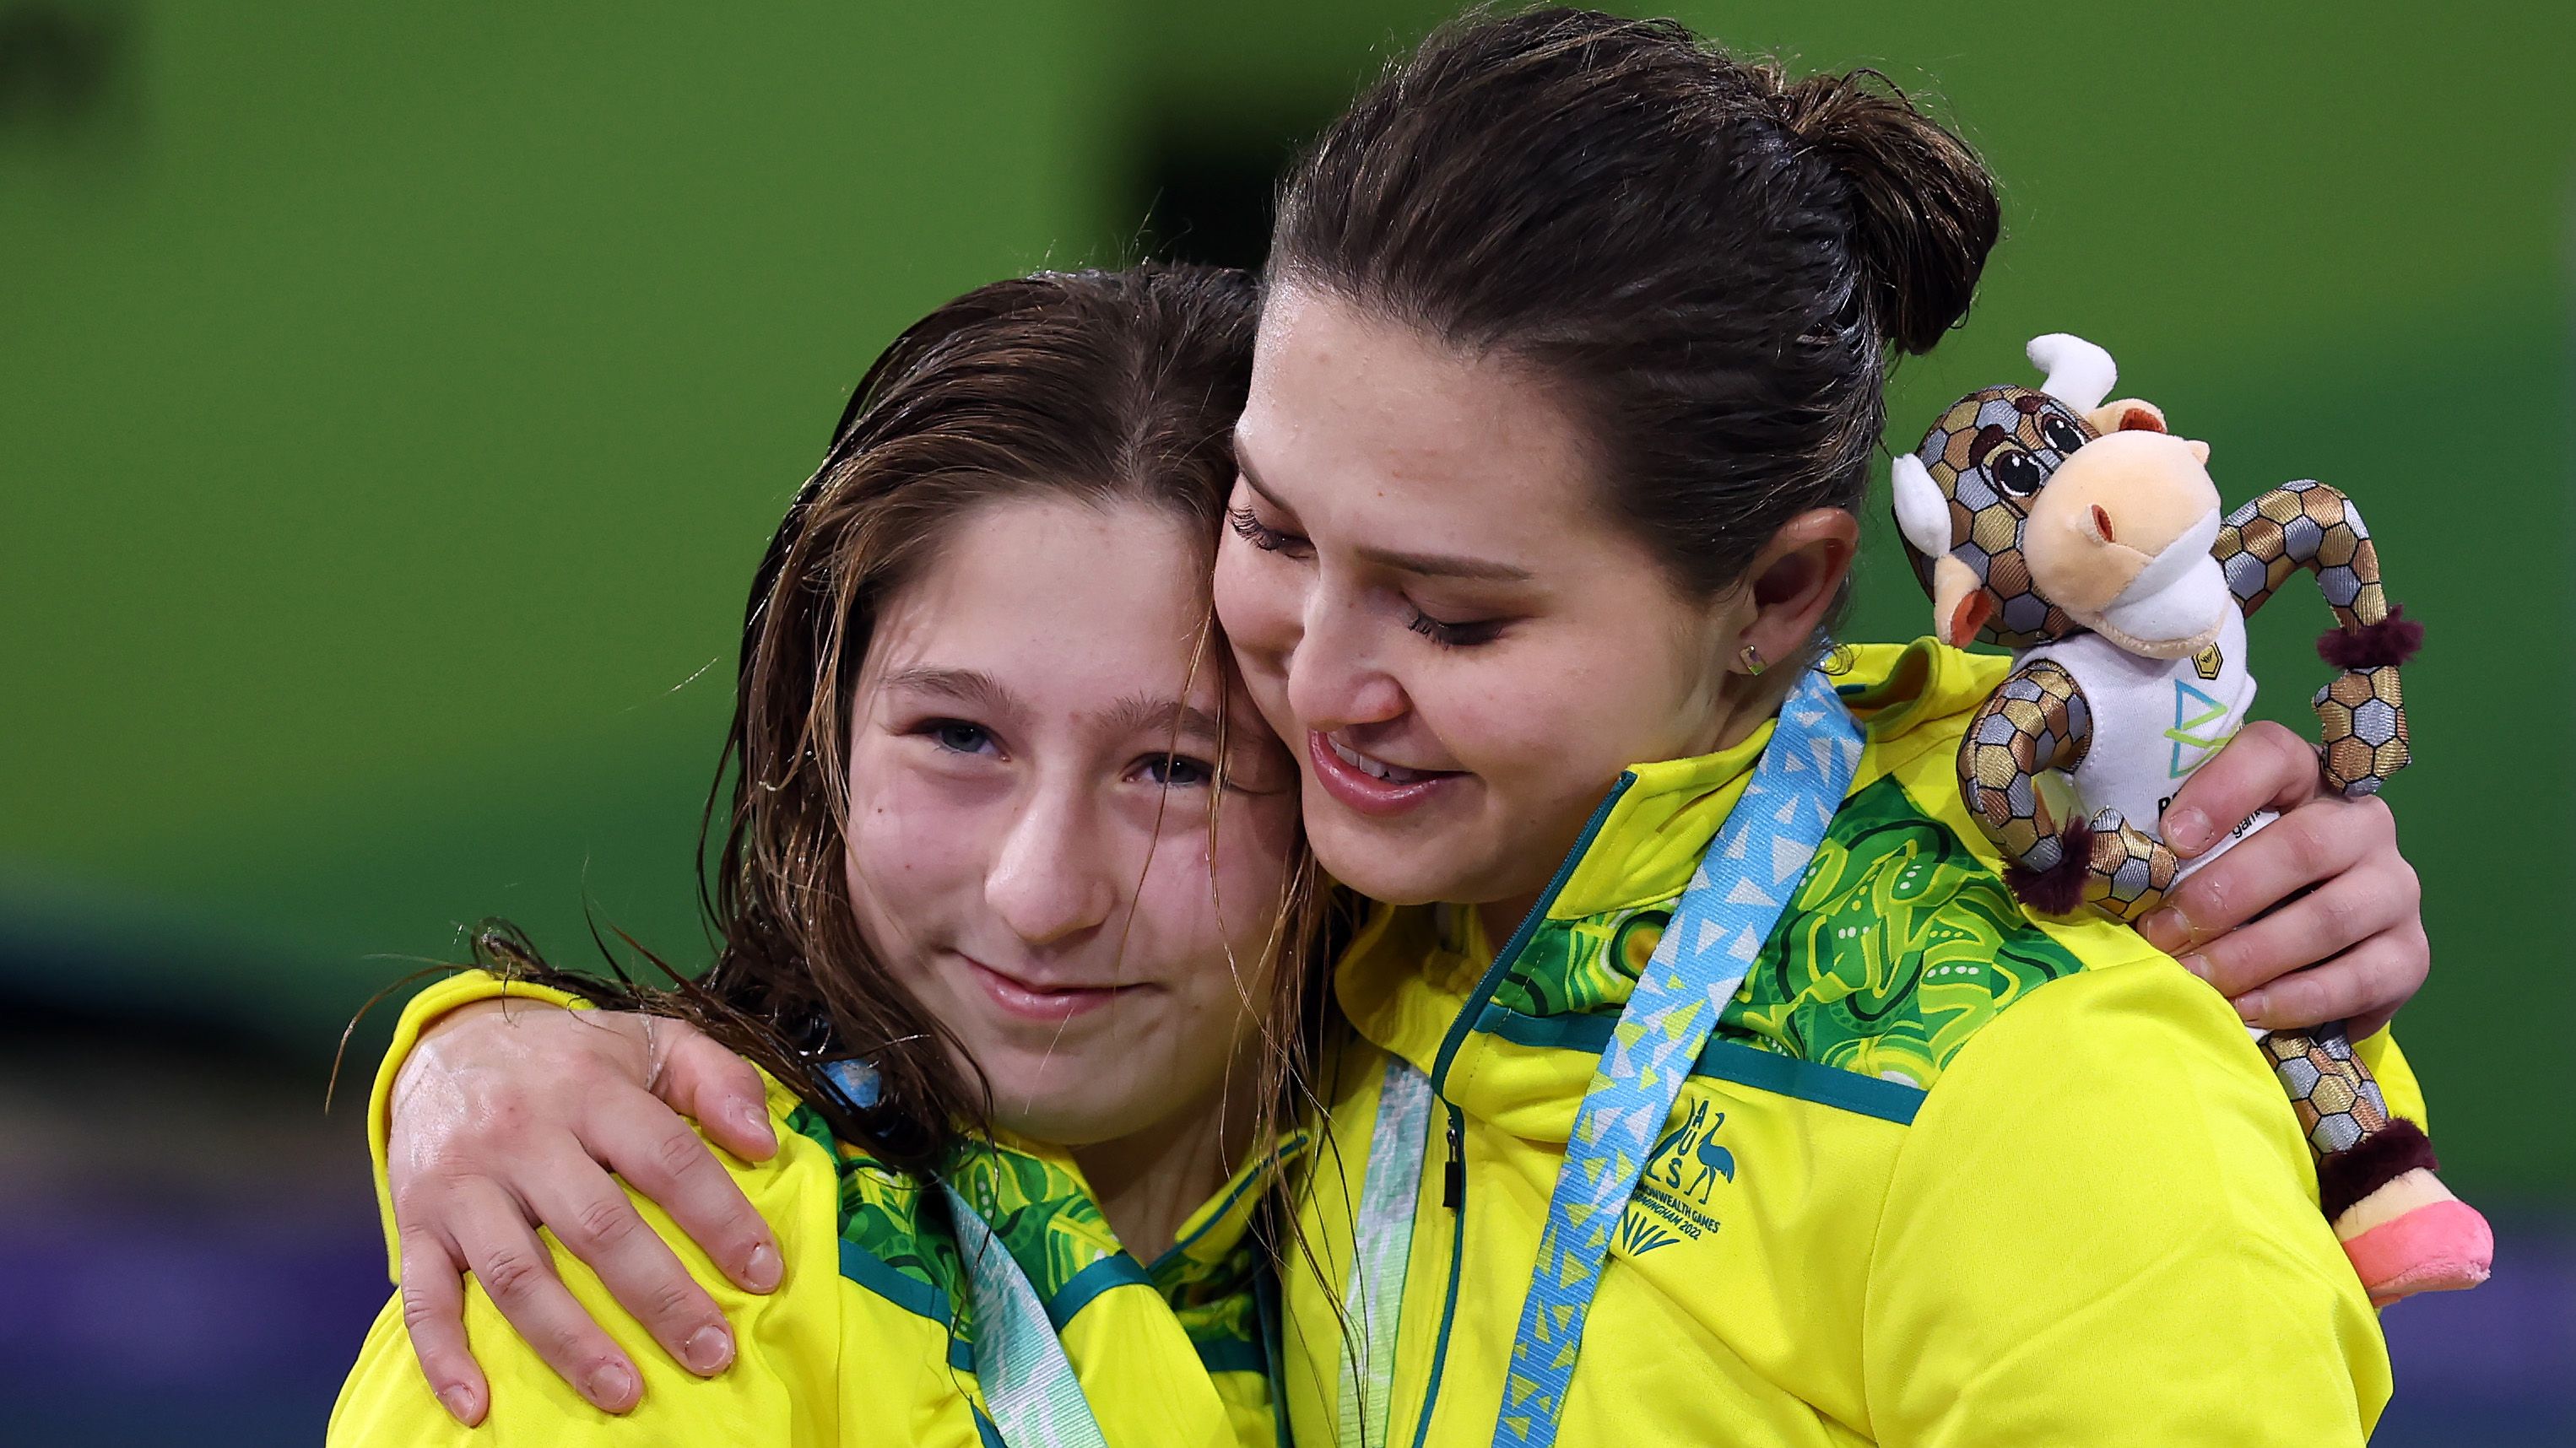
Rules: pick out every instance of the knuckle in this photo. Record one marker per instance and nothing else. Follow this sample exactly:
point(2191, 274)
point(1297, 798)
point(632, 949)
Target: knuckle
point(674, 1300)
point(2268, 735)
point(679, 1155)
point(2345, 920)
point(422, 1311)
point(2203, 897)
point(2292, 1000)
point(2374, 815)
point(2409, 959)
point(603, 1224)
point(738, 1074)
point(2270, 750)
point(2228, 971)
point(513, 1276)
point(440, 1184)
point(566, 1343)
point(498, 1122)
point(420, 1250)
point(2311, 844)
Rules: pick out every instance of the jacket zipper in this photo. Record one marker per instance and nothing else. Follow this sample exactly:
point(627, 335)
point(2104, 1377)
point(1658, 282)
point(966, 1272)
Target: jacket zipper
point(1453, 1195)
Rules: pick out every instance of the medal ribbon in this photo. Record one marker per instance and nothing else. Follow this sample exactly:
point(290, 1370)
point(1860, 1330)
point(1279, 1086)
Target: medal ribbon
point(1735, 897)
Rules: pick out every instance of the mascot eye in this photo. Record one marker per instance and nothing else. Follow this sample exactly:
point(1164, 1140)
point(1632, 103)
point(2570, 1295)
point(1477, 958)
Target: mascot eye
point(2017, 473)
point(2060, 433)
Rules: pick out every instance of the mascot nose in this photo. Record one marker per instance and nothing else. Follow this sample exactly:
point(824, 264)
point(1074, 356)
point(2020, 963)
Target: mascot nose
point(2114, 508)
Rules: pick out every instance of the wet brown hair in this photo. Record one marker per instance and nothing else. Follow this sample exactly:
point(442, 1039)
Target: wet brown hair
point(1709, 262)
point(1104, 387)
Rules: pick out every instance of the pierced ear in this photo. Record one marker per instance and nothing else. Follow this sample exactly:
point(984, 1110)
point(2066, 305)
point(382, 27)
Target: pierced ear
point(1960, 604)
point(2129, 414)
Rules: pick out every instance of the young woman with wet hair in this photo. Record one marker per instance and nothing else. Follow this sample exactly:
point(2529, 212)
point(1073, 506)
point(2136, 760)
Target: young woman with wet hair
point(1002, 896)
point(1710, 1086)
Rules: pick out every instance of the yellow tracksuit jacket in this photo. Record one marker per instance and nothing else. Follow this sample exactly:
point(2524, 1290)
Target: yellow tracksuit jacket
point(869, 1338)
point(1945, 1175)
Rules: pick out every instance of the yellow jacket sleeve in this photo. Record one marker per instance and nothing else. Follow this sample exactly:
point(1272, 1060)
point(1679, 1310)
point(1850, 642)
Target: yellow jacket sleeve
point(784, 1385)
point(461, 989)
point(2103, 1229)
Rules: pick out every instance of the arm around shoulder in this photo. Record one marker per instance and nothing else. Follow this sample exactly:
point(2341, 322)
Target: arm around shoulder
point(783, 1386)
point(422, 1011)
point(2103, 1228)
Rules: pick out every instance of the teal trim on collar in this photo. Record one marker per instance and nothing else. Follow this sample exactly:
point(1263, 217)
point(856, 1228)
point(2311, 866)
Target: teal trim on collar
point(986, 1435)
point(1265, 1303)
point(1289, 1150)
point(1090, 1282)
point(1722, 1060)
point(911, 1294)
point(1233, 1355)
point(1503, 959)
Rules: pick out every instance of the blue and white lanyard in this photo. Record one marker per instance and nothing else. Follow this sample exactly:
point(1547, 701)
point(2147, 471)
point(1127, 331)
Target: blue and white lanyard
point(1743, 883)
point(1030, 1390)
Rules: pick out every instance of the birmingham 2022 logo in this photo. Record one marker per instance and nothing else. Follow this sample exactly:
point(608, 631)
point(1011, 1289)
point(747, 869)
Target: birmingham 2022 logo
point(1674, 1194)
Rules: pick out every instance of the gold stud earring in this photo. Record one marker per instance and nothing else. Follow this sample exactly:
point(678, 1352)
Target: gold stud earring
point(1752, 658)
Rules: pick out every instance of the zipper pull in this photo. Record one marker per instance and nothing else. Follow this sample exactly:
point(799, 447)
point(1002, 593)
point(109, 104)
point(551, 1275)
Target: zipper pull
point(1453, 1177)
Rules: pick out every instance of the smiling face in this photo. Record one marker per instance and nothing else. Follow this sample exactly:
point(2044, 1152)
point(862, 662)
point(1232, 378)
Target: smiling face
point(1029, 847)
point(1428, 602)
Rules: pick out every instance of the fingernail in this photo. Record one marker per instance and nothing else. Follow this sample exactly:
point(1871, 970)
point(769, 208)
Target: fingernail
point(611, 1386)
point(2166, 929)
point(2197, 964)
point(459, 1403)
point(2186, 829)
point(760, 1271)
point(2249, 1006)
point(755, 1125)
point(708, 1351)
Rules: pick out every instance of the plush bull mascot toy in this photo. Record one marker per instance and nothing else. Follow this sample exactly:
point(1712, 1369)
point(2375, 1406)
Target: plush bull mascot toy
point(2087, 539)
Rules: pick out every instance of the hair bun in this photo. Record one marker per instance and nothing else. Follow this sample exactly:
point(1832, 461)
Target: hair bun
point(1924, 213)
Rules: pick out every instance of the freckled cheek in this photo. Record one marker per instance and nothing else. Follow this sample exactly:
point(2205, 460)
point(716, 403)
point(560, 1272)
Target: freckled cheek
point(1540, 725)
point(911, 843)
point(1190, 917)
point(1497, 717)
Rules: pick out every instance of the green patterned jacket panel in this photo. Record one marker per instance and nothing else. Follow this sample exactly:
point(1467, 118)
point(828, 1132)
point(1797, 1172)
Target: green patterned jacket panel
point(1899, 945)
point(1052, 1225)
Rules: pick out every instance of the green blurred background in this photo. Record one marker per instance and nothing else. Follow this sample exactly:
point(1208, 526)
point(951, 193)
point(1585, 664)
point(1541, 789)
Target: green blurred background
point(395, 399)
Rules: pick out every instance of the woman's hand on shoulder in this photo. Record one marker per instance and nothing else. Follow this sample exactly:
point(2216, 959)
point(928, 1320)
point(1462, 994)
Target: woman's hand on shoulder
point(2348, 944)
point(508, 1115)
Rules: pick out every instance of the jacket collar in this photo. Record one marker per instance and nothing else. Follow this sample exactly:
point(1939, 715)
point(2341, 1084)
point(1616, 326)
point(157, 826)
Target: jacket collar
point(1418, 979)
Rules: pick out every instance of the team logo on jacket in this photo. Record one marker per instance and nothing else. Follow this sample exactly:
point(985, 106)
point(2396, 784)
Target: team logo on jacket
point(1681, 1179)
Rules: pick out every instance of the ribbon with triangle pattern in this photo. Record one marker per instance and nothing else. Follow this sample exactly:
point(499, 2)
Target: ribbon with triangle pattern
point(1734, 898)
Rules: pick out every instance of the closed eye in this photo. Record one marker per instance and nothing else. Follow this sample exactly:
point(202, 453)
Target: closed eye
point(1269, 540)
point(1455, 635)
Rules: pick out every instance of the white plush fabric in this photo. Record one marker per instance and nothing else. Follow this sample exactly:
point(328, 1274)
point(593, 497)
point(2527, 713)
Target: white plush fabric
point(2155, 721)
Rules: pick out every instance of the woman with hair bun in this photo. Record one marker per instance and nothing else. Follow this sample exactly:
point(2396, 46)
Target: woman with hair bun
point(1706, 1083)
point(1751, 1108)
